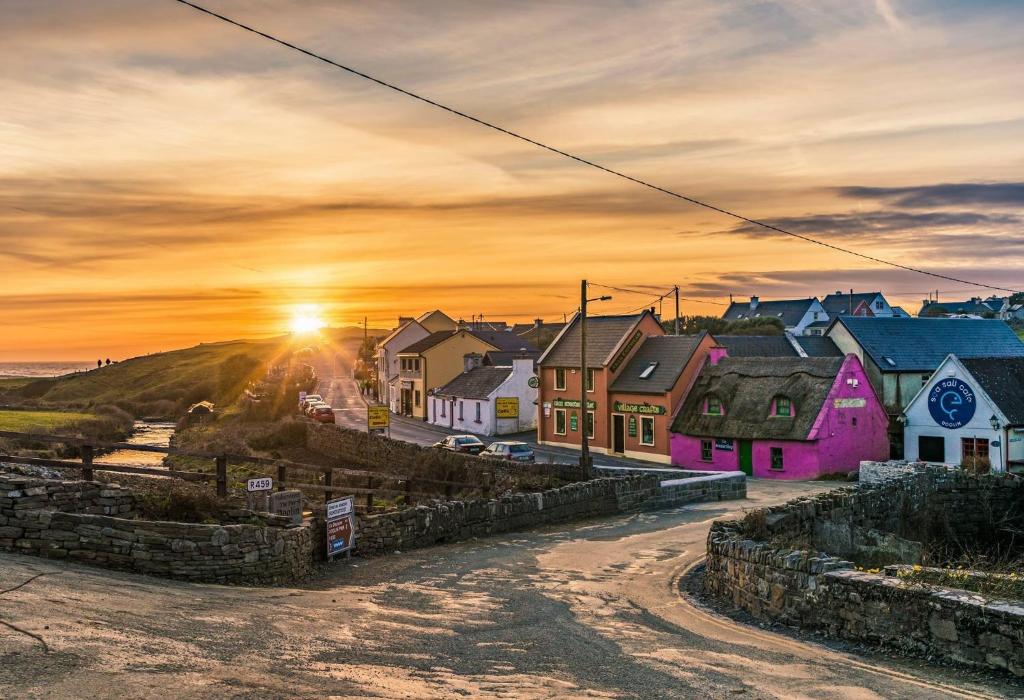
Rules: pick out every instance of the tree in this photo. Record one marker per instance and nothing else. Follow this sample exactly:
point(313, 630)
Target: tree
point(691, 325)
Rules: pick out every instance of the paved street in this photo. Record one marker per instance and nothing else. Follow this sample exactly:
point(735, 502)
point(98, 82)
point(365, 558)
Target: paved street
point(340, 390)
point(585, 610)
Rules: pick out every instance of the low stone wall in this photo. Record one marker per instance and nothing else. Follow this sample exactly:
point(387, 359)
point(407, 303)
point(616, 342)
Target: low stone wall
point(425, 525)
point(880, 472)
point(92, 523)
point(764, 566)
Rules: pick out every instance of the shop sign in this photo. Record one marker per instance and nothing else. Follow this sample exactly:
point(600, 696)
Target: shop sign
point(630, 344)
point(573, 403)
point(574, 423)
point(644, 408)
point(506, 407)
point(850, 403)
point(547, 409)
point(377, 417)
point(951, 403)
point(632, 426)
point(533, 382)
point(724, 444)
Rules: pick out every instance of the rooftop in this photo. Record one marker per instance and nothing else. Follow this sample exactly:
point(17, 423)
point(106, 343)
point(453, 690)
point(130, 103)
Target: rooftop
point(839, 303)
point(656, 366)
point(789, 311)
point(477, 383)
point(1002, 378)
point(603, 334)
point(757, 345)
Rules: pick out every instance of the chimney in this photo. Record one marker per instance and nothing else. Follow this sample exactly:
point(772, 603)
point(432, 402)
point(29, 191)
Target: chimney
point(754, 301)
point(716, 354)
point(461, 324)
point(839, 292)
point(472, 360)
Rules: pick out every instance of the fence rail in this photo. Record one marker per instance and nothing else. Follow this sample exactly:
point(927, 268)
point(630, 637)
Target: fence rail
point(376, 481)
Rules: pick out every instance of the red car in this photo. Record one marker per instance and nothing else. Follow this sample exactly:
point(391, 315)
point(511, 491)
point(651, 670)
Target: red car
point(323, 414)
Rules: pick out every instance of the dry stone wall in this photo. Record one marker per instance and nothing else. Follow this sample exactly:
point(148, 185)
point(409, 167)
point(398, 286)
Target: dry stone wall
point(763, 566)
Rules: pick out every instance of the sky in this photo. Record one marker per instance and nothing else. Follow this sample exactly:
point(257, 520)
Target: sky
point(167, 179)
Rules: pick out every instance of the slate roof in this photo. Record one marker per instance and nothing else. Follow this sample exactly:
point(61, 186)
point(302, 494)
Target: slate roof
point(971, 306)
point(504, 340)
point(503, 358)
point(921, 344)
point(1002, 378)
point(789, 311)
point(746, 387)
point(427, 343)
point(670, 352)
point(603, 334)
point(840, 304)
point(757, 345)
point(477, 383)
point(818, 346)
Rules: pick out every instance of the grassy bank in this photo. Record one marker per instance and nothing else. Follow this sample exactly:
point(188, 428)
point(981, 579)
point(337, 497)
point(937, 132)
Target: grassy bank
point(42, 421)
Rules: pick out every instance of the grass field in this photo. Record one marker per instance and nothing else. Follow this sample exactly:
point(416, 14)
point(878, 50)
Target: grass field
point(7, 383)
point(46, 421)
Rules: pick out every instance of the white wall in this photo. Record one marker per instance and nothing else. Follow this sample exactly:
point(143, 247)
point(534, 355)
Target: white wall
point(387, 360)
point(808, 317)
point(517, 385)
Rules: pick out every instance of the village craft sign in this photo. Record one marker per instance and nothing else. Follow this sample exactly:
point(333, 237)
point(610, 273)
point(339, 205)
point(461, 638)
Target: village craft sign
point(643, 408)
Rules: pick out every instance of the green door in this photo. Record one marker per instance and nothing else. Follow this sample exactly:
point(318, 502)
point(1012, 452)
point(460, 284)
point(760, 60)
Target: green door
point(746, 457)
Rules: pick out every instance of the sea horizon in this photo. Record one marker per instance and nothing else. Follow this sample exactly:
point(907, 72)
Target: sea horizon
point(27, 368)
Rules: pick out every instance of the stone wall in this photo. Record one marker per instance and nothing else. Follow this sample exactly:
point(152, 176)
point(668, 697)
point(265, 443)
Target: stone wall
point(93, 523)
point(427, 525)
point(791, 564)
point(878, 472)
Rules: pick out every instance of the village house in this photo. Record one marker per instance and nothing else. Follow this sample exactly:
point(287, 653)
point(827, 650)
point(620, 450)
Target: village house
point(487, 400)
point(408, 331)
point(974, 307)
point(798, 316)
point(857, 304)
point(971, 413)
point(787, 418)
point(433, 362)
point(611, 343)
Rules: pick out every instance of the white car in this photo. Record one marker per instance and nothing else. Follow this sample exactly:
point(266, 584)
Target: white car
point(309, 399)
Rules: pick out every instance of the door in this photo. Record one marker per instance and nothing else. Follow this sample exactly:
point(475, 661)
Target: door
point(618, 433)
point(747, 457)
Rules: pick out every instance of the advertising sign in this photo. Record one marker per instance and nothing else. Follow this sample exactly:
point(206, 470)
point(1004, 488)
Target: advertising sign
point(547, 409)
point(573, 403)
point(574, 423)
point(506, 407)
point(263, 483)
point(646, 409)
point(850, 403)
point(340, 507)
point(631, 426)
point(533, 382)
point(341, 525)
point(630, 344)
point(952, 403)
point(377, 417)
point(724, 444)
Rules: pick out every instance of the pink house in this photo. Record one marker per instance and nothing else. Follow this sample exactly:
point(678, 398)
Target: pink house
point(780, 418)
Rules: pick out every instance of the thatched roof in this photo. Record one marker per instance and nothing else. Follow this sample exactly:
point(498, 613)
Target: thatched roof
point(746, 387)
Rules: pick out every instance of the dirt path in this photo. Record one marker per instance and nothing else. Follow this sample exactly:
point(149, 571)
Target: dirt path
point(586, 611)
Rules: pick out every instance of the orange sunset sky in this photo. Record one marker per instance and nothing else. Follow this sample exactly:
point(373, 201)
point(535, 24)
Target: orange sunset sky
point(166, 179)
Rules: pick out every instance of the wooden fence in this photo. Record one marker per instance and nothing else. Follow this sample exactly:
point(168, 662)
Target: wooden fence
point(377, 483)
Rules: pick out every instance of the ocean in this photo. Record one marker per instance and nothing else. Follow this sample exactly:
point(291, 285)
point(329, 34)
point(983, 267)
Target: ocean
point(42, 369)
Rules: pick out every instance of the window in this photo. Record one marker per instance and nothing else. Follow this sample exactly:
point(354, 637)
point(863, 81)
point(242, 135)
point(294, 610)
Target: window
point(777, 458)
point(974, 454)
point(461, 407)
point(925, 378)
point(559, 421)
point(417, 397)
point(443, 402)
point(590, 379)
point(647, 431)
point(879, 305)
point(590, 425)
point(560, 379)
point(853, 421)
point(931, 448)
point(477, 411)
point(783, 406)
point(649, 370)
point(713, 406)
point(705, 450)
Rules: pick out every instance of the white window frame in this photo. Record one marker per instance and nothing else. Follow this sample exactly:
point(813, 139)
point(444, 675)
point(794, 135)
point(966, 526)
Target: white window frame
point(591, 380)
point(559, 371)
point(641, 435)
point(591, 426)
point(565, 422)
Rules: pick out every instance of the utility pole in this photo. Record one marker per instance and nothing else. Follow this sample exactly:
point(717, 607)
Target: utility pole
point(585, 464)
point(677, 310)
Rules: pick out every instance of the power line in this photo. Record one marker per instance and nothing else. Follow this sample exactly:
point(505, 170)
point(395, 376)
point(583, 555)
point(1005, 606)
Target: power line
point(580, 159)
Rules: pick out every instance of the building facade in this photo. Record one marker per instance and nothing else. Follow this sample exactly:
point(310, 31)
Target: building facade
point(487, 400)
point(433, 362)
point(388, 386)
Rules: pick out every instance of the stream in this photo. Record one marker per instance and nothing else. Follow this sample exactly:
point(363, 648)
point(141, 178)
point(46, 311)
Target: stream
point(151, 433)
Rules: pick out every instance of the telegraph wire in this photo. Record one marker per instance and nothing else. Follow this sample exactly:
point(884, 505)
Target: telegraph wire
point(579, 159)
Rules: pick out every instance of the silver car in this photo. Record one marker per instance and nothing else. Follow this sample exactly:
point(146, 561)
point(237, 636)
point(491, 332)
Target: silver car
point(512, 451)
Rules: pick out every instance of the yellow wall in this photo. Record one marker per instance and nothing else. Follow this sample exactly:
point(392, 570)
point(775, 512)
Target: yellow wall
point(443, 362)
point(437, 321)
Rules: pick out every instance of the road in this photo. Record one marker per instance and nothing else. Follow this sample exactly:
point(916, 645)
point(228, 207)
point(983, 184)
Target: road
point(588, 610)
point(340, 390)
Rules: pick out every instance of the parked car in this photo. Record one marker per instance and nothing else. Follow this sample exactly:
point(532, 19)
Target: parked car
point(513, 451)
point(311, 407)
point(308, 399)
point(323, 414)
point(461, 443)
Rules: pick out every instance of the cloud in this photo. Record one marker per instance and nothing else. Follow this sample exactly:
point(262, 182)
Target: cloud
point(994, 194)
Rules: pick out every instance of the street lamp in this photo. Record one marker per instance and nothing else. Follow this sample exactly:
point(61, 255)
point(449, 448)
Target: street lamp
point(994, 422)
point(585, 463)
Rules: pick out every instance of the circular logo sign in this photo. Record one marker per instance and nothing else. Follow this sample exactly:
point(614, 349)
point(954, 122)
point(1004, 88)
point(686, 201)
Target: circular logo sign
point(951, 403)
point(534, 382)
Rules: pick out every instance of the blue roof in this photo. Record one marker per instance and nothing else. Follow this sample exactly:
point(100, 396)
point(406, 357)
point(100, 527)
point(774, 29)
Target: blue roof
point(921, 344)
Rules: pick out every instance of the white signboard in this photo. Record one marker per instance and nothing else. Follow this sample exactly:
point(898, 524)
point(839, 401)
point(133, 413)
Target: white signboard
point(263, 483)
point(340, 507)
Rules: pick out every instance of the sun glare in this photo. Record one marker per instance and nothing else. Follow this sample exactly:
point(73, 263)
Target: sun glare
point(306, 319)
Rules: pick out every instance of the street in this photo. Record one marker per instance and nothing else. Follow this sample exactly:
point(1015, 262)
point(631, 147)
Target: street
point(584, 610)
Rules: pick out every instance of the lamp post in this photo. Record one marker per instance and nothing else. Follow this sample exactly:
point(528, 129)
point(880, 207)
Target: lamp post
point(994, 422)
point(585, 462)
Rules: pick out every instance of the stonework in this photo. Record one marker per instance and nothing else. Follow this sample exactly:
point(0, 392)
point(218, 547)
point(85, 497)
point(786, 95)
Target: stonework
point(820, 589)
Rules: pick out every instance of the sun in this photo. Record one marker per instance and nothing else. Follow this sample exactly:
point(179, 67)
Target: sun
point(306, 319)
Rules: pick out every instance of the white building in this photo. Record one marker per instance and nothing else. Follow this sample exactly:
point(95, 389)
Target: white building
point(798, 316)
point(487, 400)
point(971, 410)
point(405, 335)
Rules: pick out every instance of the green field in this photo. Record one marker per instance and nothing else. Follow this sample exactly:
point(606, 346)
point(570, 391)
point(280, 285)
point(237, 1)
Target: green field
point(45, 421)
point(8, 383)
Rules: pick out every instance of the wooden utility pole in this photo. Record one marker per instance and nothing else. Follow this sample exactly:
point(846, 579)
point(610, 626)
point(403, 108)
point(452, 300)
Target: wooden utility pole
point(677, 310)
point(584, 447)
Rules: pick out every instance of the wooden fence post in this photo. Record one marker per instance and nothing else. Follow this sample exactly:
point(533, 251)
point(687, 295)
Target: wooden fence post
point(282, 476)
point(408, 492)
point(369, 496)
point(87, 461)
point(449, 490)
point(486, 488)
point(328, 480)
point(222, 477)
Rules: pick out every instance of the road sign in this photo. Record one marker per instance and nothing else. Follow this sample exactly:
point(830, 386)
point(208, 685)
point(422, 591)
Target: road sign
point(506, 407)
point(341, 525)
point(287, 503)
point(263, 483)
point(377, 417)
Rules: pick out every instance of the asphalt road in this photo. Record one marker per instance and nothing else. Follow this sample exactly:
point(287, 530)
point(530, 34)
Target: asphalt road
point(588, 610)
point(340, 390)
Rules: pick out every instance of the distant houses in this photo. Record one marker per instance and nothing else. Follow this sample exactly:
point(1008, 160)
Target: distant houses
point(811, 317)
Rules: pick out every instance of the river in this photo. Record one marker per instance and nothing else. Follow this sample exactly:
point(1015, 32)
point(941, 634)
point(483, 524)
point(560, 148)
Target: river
point(150, 433)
